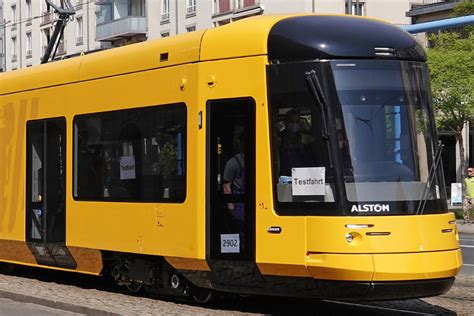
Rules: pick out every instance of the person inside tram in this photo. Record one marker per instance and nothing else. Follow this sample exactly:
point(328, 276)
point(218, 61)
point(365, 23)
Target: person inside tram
point(234, 183)
point(295, 144)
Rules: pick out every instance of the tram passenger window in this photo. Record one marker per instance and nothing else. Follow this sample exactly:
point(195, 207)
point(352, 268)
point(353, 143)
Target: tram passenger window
point(131, 155)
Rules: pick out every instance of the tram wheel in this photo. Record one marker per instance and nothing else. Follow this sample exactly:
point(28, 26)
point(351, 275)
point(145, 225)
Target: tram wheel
point(203, 296)
point(134, 287)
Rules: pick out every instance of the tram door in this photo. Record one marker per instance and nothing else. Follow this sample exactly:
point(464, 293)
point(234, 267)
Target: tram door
point(231, 179)
point(45, 192)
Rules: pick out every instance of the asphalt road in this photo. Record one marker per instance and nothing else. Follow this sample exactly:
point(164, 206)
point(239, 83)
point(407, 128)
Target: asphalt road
point(466, 242)
point(13, 308)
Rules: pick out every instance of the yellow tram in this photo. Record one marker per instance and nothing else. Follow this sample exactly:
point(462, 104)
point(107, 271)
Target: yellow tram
point(282, 155)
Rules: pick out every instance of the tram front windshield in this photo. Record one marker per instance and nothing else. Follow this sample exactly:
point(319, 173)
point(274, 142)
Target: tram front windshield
point(382, 131)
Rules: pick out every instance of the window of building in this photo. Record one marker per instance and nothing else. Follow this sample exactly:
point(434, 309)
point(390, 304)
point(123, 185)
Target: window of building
point(105, 13)
point(13, 51)
point(45, 7)
point(224, 6)
point(191, 28)
point(165, 10)
point(357, 8)
point(28, 9)
point(79, 31)
point(45, 39)
point(165, 34)
point(13, 18)
point(29, 14)
point(136, 155)
point(137, 8)
point(79, 4)
point(28, 45)
point(13, 13)
point(249, 3)
point(243, 3)
point(191, 7)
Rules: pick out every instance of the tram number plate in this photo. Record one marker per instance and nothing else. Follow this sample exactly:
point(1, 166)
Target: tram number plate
point(230, 243)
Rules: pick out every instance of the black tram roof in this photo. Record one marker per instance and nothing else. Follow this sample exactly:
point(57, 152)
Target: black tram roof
point(340, 37)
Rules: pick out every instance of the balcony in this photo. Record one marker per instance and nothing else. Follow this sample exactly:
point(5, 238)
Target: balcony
point(61, 49)
point(47, 18)
point(429, 2)
point(432, 10)
point(165, 18)
point(120, 29)
point(59, 52)
point(232, 10)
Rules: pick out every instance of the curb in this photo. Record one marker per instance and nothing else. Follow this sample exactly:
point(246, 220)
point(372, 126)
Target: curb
point(55, 304)
point(465, 228)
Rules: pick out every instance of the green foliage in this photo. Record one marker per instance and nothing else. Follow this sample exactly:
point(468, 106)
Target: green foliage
point(464, 8)
point(167, 161)
point(451, 63)
point(458, 212)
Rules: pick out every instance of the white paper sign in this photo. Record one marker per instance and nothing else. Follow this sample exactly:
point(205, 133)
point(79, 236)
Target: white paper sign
point(308, 181)
point(127, 167)
point(456, 194)
point(230, 243)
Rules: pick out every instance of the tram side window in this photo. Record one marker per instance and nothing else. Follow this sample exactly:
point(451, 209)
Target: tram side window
point(131, 155)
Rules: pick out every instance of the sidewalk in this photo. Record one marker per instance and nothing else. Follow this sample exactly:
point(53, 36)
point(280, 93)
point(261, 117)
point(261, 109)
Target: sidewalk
point(465, 228)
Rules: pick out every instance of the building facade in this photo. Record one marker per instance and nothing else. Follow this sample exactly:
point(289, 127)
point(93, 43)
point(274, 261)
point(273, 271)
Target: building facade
point(2, 43)
point(29, 24)
point(100, 24)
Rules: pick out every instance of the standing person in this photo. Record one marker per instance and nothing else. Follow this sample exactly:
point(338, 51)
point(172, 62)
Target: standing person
point(469, 198)
point(234, 182)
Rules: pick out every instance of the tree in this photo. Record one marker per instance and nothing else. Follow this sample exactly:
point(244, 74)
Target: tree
point(451, 63)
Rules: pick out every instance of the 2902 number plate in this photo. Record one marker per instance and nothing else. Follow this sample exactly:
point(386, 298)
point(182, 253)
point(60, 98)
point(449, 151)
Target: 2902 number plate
point(230, 243)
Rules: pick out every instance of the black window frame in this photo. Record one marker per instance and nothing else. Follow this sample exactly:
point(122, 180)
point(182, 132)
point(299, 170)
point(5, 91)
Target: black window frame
point(303, 208)
point(28, 184)
point(160, 107)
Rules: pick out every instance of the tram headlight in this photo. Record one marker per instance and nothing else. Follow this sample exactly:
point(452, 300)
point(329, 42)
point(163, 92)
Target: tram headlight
point(349, 237)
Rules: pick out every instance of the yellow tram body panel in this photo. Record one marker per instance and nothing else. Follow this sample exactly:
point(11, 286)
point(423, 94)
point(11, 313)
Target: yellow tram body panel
point(90, 84)
point(385, 267)
point(394, 248)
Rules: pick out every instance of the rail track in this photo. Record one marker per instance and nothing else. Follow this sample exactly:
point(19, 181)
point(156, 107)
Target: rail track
point(82, 290)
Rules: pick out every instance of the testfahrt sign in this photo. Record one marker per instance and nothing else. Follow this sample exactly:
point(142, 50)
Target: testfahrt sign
point(308, 181)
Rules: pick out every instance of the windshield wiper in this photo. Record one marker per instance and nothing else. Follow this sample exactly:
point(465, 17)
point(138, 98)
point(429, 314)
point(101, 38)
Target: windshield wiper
point(318, 96)
point(434, 167)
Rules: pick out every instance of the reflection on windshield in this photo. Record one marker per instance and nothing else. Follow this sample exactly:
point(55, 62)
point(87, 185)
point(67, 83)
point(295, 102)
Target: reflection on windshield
point(385, 131)
point(381, 136)
point(299, 149)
